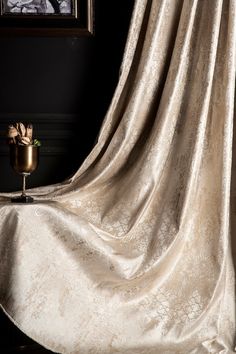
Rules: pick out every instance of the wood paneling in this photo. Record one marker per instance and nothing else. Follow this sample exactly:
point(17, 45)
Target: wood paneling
point(60, 140)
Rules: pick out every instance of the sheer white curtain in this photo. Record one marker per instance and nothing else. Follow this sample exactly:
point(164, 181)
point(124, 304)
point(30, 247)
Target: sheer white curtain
point(132, 254)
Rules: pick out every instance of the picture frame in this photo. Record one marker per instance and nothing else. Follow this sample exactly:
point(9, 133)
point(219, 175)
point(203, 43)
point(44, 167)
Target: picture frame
point(46, 18)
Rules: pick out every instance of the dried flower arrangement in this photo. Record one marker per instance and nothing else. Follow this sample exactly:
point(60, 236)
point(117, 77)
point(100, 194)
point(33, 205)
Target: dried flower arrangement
point(21, 134)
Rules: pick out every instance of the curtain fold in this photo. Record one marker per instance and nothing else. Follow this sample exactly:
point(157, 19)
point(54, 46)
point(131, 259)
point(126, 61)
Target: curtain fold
point(132, 254)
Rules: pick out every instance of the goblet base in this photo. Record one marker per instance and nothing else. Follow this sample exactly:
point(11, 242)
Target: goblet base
point(22, 199)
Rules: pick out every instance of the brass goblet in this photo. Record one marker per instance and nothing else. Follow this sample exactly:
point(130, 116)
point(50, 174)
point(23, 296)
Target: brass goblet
point(24, 159)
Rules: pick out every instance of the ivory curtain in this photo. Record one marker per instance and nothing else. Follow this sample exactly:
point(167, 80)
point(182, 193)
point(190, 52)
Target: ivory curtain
point(132, 254)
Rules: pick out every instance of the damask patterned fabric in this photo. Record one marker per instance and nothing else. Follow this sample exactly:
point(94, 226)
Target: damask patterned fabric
point(132, 254)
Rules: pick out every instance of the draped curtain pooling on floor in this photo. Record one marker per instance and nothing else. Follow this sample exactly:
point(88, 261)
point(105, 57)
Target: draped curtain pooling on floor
point(132, 254)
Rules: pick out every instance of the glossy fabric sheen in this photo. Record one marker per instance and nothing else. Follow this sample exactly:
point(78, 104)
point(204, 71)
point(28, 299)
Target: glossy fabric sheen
point(132, 255)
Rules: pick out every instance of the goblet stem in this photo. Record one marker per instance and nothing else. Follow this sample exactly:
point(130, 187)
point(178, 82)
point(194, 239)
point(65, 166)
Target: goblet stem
point(23, 187)
point(24, 175)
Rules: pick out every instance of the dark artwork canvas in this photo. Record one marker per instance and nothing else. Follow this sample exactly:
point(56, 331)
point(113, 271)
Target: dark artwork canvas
point(37, 7)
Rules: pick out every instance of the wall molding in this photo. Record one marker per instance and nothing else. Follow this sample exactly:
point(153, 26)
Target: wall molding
point(55, 141)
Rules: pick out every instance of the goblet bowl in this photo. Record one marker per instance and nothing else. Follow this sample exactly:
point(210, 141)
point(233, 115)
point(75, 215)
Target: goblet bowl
point(24, 159)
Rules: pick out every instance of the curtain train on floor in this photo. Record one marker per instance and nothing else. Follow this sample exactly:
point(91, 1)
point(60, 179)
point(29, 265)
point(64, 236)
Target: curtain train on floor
point(132, 254)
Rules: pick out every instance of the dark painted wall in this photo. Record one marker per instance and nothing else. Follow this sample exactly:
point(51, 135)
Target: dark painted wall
point(63, 86)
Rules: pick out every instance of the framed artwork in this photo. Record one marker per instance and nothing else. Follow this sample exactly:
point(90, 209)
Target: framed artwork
point(46, 17)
